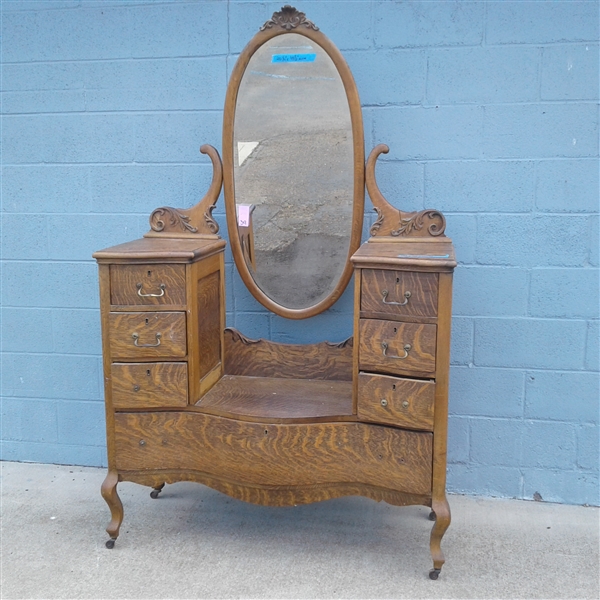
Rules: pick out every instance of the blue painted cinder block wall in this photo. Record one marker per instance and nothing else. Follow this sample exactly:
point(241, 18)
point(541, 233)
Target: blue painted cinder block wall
point(490, 110)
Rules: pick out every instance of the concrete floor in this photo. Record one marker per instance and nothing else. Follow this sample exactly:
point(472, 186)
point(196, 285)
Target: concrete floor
point(196, 543)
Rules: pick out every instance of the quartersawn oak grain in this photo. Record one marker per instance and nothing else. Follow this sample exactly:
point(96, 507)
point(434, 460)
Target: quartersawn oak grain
point(276, 455)
point(275, 495)
point(271, 399)
point(209, 325)
point(170, 326)
point(166, 283)
point(420, 359)
point(263, 358)
point(149, 385)
point(421, 286)
point(307, 444)
point(408, 402)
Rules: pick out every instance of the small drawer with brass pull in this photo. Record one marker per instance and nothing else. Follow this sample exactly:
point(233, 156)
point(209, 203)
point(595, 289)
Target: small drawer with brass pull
point(154, 285)
point(149, 385)
point(149, 335)
point(397, 348)
point(396, 401)
point(398, 294)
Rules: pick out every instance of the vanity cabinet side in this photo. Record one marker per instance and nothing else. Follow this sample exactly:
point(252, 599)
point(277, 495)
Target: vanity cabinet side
point(403, 312)
point(162, 311)
point(104, 280)
point(206, 324)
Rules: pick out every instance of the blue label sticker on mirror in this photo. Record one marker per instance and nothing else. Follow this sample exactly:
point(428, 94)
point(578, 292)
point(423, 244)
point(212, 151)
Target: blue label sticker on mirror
point(287, 58)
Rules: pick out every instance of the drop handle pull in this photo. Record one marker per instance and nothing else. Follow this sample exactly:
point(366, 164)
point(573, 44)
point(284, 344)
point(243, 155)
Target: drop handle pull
point(385, 293)
point(136, 337)
point(162, 287)
point(384, 347)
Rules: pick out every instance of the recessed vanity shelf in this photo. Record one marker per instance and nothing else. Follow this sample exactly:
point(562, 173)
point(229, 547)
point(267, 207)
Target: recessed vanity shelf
point(278, 400)
point(188, 399)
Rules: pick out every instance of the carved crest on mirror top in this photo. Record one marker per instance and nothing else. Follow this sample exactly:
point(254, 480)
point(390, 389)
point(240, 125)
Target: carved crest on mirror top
point(289, 18)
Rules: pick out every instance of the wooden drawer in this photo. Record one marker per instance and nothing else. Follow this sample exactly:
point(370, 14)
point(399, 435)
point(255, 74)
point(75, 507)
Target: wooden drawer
point(154, 285)
point(275, 455)
point(147, 335)
point(398, 293)
point(404, 402)
point(149, 385)
point(397, 348)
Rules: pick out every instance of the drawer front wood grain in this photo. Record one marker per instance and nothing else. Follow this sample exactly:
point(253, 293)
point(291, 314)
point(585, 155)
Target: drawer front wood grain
point(154, 285)
point(276, 454)
point(397, 348)
point(399, 293)
point(147, 335)
point(149, 385)
point(396, 401)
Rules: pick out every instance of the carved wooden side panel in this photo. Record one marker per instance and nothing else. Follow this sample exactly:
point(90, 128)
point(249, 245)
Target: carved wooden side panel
point(262, 358)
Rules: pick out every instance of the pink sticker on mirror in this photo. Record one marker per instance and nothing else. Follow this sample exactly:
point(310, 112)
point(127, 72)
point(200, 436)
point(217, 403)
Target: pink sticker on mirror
point(243, 215)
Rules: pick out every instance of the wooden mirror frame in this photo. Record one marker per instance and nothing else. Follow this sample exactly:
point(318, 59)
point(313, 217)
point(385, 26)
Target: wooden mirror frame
point(289, 20)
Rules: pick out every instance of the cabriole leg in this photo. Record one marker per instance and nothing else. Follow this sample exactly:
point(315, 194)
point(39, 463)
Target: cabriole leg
point(109, 493)
point(441, 510)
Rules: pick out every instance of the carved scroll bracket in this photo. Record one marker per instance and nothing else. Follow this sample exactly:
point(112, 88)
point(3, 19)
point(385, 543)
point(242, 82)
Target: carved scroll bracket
point(196, 222)
point(392, 222)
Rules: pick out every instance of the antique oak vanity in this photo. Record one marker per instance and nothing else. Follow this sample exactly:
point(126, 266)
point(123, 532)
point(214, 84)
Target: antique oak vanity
point(270, 423)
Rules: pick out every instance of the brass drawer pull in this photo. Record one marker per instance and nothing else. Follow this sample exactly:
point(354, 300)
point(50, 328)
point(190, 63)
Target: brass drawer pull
point(407, 348)
point(162, 287)
point(136, 337)
point(385, 293)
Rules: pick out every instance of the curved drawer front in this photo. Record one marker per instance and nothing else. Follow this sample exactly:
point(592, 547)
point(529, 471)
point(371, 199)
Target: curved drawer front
point(149, 385)
point(399, 294)
point(143, 285)
point(147, 335)
point(397, 348)
point(276, 455)
point(396, 401)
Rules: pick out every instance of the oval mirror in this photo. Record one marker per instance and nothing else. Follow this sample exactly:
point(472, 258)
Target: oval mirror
point(293, 170)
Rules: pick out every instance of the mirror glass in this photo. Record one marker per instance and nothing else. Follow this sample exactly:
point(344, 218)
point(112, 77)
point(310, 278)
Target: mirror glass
point(293, 171)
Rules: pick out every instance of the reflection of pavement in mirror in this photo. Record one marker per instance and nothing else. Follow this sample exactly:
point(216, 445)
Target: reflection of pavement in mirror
point(294, 163)
point(301, 273)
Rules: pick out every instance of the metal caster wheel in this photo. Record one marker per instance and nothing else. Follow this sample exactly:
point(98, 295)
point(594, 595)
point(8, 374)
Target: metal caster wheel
point(434, 574)
point(110, 544)
point(432, 516)
point(156, 491)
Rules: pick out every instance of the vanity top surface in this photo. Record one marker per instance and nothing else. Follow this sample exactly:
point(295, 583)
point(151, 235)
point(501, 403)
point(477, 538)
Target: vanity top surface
point(157, 249)
point(426, 254)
